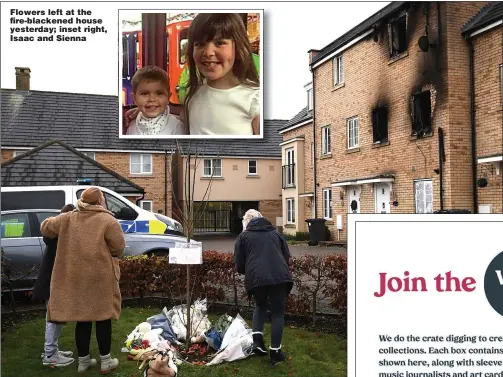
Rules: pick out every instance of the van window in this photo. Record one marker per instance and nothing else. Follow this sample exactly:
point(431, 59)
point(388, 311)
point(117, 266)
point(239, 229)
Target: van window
point(115, 205)
point(33, 200)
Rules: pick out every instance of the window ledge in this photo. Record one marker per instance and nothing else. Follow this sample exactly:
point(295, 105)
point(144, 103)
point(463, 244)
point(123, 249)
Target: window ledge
point(210, 178)
point(379, 145)
point(253, 176)
point(325, 156)
point(398, 57)
point(338, 86)
point(141, 175)
point(425, 136)
point(353, 150)
point(288, 187)
point(329, 222)
point(290, 225)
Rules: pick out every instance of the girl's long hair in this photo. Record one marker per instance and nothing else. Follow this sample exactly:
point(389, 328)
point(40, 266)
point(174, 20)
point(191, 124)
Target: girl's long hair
point(209, 26)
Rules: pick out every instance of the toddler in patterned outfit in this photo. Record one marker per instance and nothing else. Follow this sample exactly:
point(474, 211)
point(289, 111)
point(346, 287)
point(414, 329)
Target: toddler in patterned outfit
point(151, 95)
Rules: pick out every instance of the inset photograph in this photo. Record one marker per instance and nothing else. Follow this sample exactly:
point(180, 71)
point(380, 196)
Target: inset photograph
point(190, 74)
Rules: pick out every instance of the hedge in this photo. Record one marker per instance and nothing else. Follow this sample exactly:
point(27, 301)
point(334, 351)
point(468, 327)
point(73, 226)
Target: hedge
point(316, 277)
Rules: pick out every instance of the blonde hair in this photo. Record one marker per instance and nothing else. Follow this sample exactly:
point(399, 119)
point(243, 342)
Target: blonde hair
point(249, 216)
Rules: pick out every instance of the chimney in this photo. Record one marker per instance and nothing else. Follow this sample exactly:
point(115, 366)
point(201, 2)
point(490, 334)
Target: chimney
point(312, 54)
point(22, 78)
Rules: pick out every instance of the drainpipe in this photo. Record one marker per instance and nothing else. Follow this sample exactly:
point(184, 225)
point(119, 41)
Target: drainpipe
point(314, 143)
point(166, 183)
point(439, 43)
point(441, 159)
point(474, 139)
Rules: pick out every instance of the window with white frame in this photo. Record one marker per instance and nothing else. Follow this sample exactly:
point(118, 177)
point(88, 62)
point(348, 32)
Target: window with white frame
point(17, 153)
point(290, 167)
point(90, 154)
point(338, 67)
point(327, 203)
point(310, 99)
point(147, 205)
point(140, 163)
point(290, 211)
point(352, 124)
point(423, 192)
point(252, 167)
point(212, 167)
point(326, 143)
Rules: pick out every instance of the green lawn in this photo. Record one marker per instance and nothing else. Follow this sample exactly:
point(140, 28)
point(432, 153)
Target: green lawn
point(309, 353)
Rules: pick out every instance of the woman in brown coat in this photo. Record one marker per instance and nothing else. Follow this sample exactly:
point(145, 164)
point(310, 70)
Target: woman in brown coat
point(85, 278)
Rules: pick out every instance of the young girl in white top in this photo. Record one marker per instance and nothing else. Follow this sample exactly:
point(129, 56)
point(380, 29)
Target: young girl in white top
point(223, 90)
point(151, 95)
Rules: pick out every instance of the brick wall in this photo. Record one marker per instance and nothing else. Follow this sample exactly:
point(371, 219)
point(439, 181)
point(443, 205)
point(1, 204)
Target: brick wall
point(487, 58)
point(372, 78)
point(270, 209)
point(7, 155)
point(154, 185)
point(458, 179)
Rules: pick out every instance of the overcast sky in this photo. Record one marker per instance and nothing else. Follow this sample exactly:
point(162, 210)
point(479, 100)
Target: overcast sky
point(290, 30)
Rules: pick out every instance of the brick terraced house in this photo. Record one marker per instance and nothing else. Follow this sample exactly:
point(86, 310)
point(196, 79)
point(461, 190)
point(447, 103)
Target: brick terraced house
point(404, 115)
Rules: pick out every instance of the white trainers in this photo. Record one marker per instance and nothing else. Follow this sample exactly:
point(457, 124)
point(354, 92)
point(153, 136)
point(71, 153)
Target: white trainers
point(108, 364)
point(57, 360)
point(62, 353)
point(85, 363)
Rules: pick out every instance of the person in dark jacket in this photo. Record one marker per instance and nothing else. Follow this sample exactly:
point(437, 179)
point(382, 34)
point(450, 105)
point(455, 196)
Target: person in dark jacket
point(262, 255)
point(51, 356)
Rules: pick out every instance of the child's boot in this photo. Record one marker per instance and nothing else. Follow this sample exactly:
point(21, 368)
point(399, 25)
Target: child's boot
point(85, 363)
point(108, 364)
point(259, 348)
point(277, 355)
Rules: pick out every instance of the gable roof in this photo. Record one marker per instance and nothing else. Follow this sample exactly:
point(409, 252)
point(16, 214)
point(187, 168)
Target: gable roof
point(90, 121)
point(56, 163)
point(302, 116)
point(492, 12)
point(358, 30)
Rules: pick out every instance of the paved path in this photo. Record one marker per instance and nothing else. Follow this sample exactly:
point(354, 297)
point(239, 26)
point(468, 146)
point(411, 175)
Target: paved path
point(225, 243)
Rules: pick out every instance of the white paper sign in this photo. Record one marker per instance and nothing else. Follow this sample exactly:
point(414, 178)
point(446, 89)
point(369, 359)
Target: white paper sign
point(186, 253)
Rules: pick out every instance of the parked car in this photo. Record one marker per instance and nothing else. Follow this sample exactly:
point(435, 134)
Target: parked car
point(24, 246)
point(55, 197)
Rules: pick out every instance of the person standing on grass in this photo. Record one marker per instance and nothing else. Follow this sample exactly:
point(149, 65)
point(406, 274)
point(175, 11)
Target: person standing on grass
point(52, 356)
point(262, 255)
point(85, 279)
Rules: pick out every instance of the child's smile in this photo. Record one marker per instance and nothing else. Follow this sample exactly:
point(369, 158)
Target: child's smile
point(152, 98)
point(215, 59)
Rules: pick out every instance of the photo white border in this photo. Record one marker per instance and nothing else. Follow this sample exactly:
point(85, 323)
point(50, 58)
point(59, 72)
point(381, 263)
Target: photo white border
point(184, 10)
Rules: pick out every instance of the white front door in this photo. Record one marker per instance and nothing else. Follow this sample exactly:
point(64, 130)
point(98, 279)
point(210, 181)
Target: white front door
point(382, 197)
point(354, 199)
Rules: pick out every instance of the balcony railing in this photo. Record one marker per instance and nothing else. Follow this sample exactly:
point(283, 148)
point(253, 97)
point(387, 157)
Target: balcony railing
point(288, 176)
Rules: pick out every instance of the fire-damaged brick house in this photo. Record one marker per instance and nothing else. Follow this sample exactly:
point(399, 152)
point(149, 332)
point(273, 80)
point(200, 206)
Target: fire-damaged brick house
point(403, 115)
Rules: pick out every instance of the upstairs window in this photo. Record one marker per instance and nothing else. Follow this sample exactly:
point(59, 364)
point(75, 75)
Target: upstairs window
point(398, 36)
point(338, 67)
point(421, 113)
point(310, 99)
point(212, 167)
point(380, 124)
point(326, 143)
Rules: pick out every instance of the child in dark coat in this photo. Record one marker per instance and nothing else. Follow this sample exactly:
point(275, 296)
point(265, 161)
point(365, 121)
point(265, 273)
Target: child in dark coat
point(52, 356)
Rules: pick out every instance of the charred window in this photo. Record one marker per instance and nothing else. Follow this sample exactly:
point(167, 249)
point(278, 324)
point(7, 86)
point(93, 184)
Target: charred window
point(421, 113)
point(398, 36)
point(380, 124)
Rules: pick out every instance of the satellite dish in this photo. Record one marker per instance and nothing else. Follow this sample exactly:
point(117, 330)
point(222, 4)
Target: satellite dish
point(424, 43)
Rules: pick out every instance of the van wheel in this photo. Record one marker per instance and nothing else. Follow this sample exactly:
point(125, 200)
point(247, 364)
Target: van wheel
point(159, 253)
